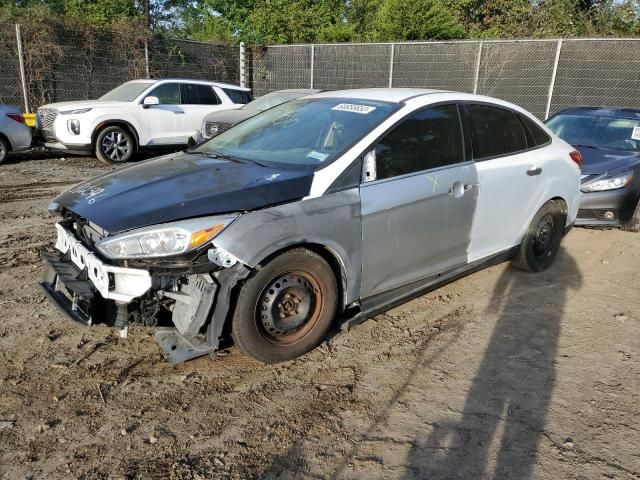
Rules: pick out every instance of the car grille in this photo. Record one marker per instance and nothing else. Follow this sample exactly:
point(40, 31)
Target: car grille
point(211, 129)
point(45, 118)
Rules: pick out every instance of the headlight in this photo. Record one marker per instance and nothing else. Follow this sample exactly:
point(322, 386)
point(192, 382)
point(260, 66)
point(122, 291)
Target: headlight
point(163, 240)
point(613, 183)
point(77, 111)
point(73, 126)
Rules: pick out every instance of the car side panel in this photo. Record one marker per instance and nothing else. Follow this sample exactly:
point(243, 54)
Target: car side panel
point(18, 134)
point(414, 227)
point(332, 220)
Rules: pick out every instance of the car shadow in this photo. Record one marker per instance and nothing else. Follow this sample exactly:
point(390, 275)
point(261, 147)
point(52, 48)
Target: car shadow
point(513, 385)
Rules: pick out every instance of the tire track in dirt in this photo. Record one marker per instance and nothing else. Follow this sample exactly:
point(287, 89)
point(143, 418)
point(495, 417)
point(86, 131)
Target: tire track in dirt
point(32, 191)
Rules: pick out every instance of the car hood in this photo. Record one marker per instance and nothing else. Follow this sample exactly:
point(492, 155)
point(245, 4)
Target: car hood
point(601, 160)
point(77, 105)
point(180, 186)
point(230, 116)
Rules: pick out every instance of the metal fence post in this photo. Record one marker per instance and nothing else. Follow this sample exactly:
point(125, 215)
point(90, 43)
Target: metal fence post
point(242, 64)
point(146, 58)
point(553, 79)
point(477, 74)
point(23, 75)
point(392, 52)
point(313, 57)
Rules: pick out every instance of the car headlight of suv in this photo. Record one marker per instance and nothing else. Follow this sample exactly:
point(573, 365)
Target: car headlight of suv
point(611, 183)
point(164, 240)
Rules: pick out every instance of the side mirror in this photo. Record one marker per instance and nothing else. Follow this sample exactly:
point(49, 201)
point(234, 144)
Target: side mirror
point(150, 100)
point(369, 173)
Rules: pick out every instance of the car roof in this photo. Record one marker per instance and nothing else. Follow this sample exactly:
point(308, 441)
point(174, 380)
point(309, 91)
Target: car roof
point(203, 82)
point(301, 91)
point(395, 95)
point(602, 112)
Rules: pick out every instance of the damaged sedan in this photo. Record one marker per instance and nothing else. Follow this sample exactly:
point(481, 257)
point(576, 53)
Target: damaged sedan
point(329, 208)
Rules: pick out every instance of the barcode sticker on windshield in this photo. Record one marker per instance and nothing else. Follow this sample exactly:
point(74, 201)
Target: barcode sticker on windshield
point(635, 135)
point(351, 107)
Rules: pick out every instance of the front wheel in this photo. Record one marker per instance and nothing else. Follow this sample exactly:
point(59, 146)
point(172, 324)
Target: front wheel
point(114, 145)
point(633, 225)
point(4, 150)
point(285, 310)
point(542, 239)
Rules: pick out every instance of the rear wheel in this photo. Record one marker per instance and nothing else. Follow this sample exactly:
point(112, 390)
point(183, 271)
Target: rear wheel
point(114, 145)
point(285, 310)
point(542, 239)
point(633, 225)
point(4, 150)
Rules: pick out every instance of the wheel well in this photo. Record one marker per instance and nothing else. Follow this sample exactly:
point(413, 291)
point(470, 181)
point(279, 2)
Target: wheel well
point(115, 123)
point(563, 203)
point(324, 252)
point(4, 137)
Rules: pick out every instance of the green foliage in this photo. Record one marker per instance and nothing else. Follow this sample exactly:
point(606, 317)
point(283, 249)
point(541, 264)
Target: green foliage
point(288, 21)
point(415, 20)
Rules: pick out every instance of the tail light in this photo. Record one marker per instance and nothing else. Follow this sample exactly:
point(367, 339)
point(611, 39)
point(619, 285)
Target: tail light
point(16, 116)
point(577, 158)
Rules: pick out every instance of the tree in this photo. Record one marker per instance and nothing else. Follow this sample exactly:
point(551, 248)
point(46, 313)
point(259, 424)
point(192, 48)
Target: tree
point(415, 20)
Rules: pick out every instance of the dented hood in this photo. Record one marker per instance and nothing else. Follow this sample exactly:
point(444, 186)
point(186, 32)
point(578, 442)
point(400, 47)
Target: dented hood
point(180, 186)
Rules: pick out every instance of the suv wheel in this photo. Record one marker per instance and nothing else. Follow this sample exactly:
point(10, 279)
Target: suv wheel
point(4, 150)
point(114, 145)
point(542, 240)
point(285, 310)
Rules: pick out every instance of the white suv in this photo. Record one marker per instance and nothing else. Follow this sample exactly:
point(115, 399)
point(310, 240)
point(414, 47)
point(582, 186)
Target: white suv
point(139, 114)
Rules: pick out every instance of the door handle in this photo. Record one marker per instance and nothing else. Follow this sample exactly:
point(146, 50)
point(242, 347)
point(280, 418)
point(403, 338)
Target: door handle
point(458, 189)
point(178, 112)
point(533, 171)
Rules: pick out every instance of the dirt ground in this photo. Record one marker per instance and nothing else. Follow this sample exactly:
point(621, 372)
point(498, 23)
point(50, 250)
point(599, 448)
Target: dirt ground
point(499, 375)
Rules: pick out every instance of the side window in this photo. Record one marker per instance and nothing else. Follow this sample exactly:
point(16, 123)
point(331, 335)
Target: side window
point(428, 139)
point(495, 131)
point(238, 96)
point(168, 94)
point(196, 94)
point(537, 134)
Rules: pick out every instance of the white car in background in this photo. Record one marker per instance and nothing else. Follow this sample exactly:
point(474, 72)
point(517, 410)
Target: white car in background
point(140, 114)
point(15, 136)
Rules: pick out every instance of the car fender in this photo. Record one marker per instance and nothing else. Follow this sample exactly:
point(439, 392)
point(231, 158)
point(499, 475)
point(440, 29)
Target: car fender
point(104, 120)
point(331, 221)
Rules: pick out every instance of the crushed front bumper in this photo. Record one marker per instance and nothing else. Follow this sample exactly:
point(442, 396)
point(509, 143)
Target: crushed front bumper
point(91, 292)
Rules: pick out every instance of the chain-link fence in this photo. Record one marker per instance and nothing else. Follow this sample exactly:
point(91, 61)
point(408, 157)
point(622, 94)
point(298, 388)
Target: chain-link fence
point(62, 63)
point(543, 76)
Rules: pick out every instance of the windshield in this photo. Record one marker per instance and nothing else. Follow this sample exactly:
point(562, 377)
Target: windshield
point(597, 131)
point(302, 133)
point(126, 92)
point(271, 100)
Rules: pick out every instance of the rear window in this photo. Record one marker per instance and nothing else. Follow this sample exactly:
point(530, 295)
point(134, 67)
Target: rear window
point(537, 136)
point(238, 96)
point(496, 131)
point(195, 94)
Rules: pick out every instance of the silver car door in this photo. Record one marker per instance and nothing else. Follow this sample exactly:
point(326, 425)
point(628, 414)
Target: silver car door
point(417, 214)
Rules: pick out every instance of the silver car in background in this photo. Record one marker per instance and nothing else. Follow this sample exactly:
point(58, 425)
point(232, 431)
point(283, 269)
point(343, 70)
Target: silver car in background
point(15, 135)
point(217, 122)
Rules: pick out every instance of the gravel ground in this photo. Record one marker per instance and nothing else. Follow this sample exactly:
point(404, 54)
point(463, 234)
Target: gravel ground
point(499, 375)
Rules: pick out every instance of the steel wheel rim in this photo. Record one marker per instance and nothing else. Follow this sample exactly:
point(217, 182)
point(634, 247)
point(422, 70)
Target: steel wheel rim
point(289, 307)
point(116, 146)
point(544, 237)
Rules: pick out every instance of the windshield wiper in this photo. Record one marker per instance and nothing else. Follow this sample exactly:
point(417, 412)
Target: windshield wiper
point(233, 158)
point(580, 145)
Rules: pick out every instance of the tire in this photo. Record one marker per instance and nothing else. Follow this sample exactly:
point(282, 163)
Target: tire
point(114, 145)
point(541, 242)
point(633, 225)
point(4, 150)
point(286, 308)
